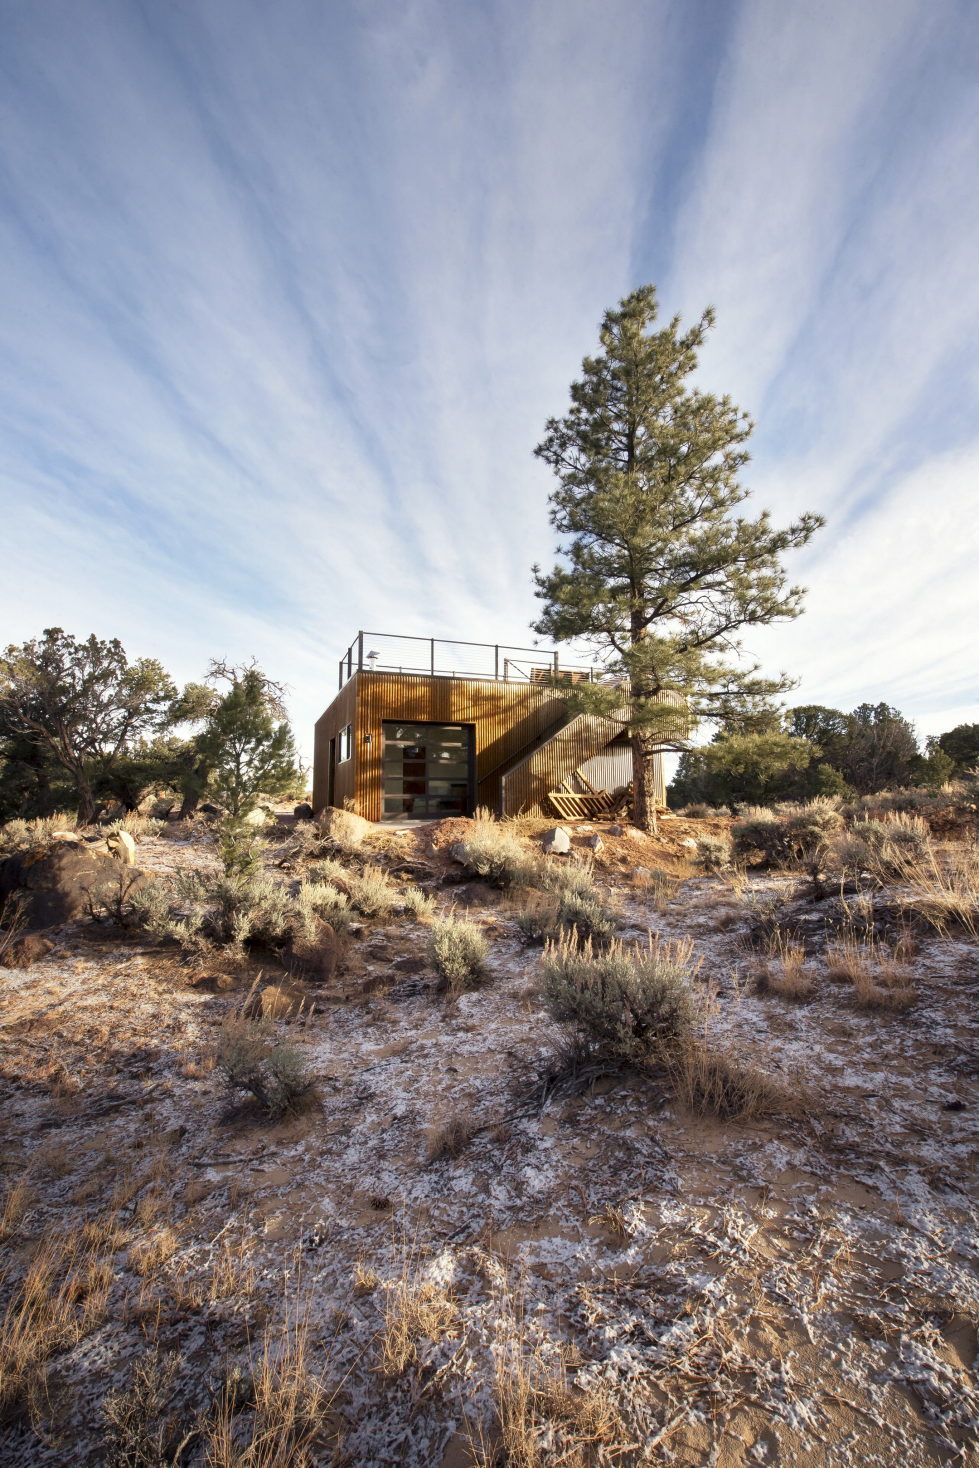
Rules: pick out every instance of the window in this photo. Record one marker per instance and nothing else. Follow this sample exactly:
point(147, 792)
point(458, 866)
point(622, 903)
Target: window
point(345, 744)
point(427, 770)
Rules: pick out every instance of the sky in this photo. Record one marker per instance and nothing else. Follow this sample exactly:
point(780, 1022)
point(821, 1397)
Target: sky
point(288, 292)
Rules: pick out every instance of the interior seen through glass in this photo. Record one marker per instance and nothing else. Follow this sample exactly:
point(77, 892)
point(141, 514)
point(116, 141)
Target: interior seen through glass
point(426, 769)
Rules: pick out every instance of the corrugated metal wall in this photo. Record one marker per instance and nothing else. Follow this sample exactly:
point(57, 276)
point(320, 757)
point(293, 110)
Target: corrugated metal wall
point(526, 787)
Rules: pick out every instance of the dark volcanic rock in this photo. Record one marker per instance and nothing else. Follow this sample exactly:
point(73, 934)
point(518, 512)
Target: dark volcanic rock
point(62, 883)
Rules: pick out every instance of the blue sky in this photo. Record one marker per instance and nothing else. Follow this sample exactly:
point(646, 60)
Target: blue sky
point(288, 292)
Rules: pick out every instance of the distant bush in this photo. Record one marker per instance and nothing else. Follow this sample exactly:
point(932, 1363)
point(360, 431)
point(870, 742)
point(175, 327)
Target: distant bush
point(494, 852)
point(714, 850)
point(631, 1005)
point(20, 835)
point(789, 834)
point(458, 951)
point(893, 844)
point(201, 910)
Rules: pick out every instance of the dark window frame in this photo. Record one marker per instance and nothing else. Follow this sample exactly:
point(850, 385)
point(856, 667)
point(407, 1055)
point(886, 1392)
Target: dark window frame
point(468, 730)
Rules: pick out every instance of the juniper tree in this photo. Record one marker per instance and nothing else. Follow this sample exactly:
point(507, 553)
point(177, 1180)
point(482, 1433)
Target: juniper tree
point(657, 571)
point(82, 706)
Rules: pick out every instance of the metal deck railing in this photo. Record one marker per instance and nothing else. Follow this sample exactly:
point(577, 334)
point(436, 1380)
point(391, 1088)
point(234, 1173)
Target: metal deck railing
point(440, 658)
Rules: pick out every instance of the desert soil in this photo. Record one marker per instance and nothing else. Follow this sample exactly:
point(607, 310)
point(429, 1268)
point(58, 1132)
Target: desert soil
point(799, 1288)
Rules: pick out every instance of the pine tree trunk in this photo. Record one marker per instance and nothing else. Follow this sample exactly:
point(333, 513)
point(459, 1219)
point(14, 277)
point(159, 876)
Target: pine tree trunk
point(643, 782)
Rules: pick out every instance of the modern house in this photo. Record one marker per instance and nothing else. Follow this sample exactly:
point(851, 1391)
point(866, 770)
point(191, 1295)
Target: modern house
point(423, 728)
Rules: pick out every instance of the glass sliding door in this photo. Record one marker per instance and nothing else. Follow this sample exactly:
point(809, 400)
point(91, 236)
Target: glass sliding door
point(428, 770)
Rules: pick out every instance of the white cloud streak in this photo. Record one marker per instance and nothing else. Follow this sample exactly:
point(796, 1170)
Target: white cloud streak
point(291, 291)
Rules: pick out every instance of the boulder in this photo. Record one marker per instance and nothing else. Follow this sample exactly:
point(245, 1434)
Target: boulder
point(616, 830)
point(122, 846)
point(256, 817)
point(556, 842)
point(28, 951)
point(595, 842)
point(458, 853)
point(60, 882)
point(689, 843)
point(303, 811)
point(314, 957)
point(343, 827)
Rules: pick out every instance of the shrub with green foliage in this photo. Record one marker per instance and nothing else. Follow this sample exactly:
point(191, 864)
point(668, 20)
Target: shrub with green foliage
point(496, 854)
point(255, 1061)
point(458, 950)
point(628, 1004)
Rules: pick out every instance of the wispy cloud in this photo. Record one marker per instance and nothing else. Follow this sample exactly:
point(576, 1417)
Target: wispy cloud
point(291, 290)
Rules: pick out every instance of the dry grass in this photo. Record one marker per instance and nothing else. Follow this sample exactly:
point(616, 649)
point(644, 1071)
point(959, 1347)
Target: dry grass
point(945, 889)
point(416, 1309)
point(710, 1082)
point(366, 1279)
point(879, 980)
point(541, 1418)
point(13, 923)
point(62, 1298)
point(782, 971)
point(16, 1205)
point(613, 1218)
point(447, 1139)
point(290, 1418)
point(148, 1255)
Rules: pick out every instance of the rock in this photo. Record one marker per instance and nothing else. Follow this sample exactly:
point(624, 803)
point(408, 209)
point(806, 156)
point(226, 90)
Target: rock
point(689, 843)
point(616, 830)
point(343, 827)
point(313, 958)
point(73, 837)
point(556, 842)
point(61, 883)
point(209, 810)
point(122, 846)
point(275, 1002)
point(28, 951)
point(412, 964)
point(595, 842)
point(303, 811)
point(256, 817)
point(634, 834)
point(457, 851)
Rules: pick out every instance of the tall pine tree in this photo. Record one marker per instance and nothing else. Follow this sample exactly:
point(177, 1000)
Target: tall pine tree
point(658, 572)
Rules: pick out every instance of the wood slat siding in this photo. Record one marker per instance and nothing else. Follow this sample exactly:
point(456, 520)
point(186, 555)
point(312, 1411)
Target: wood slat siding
point(342, 711)
point(525, 788)
point(507, 717)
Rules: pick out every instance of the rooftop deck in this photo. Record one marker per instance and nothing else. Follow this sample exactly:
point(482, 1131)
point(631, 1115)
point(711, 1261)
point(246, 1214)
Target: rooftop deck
point(435, 657)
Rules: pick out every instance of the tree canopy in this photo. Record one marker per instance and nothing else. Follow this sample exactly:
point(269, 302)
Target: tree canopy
point(80, 706)
point(658, 572)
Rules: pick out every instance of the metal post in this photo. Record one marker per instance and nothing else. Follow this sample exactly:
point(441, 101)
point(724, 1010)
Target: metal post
point(340, 673)
point(433, 656)
point(360, 652)
point(496, 661)
point(555, 665)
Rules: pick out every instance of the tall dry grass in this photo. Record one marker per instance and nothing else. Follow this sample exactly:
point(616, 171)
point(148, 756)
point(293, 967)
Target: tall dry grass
point(61, 1299)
